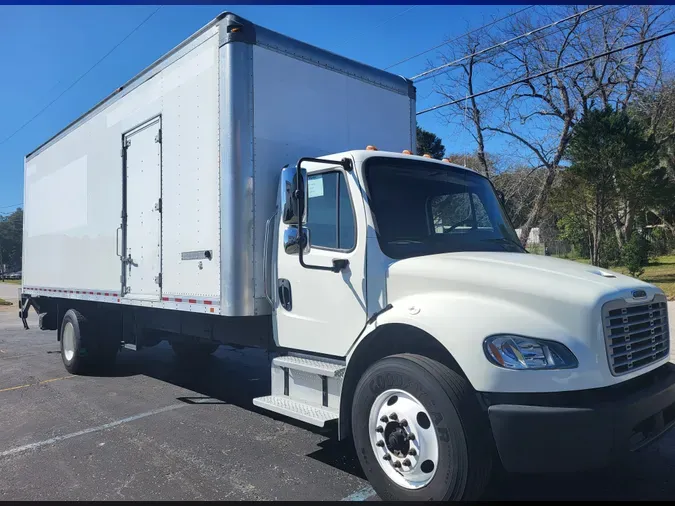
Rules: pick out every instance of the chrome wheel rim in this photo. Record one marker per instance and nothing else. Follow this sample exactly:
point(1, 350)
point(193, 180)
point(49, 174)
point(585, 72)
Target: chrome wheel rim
point(68, 339)
point(404, 439)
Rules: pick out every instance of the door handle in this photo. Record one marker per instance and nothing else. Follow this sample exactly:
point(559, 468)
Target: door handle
point(285, 297)
point(117, 241)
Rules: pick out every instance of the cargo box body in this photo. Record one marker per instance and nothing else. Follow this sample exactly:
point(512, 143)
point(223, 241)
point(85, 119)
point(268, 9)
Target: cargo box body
point(159, 196)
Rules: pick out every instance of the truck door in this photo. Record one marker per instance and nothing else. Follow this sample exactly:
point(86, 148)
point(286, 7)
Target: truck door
point(142, 225)
point(319, 310)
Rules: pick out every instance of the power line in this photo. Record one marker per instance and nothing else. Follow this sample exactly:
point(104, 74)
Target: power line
point(459, 37)
point(434, 71)
point(550, 71)
point(82, 76)
point(393, 17)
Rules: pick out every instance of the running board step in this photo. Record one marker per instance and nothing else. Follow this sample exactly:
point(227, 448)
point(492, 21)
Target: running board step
point(314, 415)
point(318, 367)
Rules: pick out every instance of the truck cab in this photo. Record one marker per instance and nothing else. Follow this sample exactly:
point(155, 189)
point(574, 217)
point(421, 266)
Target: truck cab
point(406, 308)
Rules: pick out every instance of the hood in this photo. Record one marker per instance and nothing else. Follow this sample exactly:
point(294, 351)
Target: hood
point(505, 274)
point(560, 294)
point(462, 298)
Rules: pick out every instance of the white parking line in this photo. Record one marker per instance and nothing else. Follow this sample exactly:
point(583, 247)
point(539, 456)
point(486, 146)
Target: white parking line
point(56, 439)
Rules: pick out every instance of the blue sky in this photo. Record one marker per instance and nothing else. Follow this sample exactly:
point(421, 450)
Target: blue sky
point(47, 47)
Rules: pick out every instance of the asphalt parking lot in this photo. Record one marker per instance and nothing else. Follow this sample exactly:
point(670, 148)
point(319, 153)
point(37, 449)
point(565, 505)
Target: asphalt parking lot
point(157, 429)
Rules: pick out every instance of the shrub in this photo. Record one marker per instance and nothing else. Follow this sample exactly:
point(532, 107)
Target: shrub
point(635, 254)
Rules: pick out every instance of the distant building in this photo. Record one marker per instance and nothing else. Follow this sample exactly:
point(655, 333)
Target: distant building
point(533, 238)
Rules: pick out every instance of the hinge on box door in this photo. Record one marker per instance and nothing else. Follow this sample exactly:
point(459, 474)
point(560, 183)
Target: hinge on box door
point(125, 144)
point(158, 137)
point(158, 279)
point(158, 205)
point(127, 289)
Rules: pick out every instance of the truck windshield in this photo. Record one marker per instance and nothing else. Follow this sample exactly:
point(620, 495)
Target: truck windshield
point(423, 208)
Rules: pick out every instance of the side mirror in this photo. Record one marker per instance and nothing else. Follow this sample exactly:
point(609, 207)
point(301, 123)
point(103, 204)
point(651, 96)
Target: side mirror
point(288, 188)
point(292, 241)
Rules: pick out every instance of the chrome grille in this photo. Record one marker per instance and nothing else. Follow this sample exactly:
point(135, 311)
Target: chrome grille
point(636, 335)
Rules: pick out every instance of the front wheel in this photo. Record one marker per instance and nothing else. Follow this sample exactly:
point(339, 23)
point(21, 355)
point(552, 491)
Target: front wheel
point(419, 432)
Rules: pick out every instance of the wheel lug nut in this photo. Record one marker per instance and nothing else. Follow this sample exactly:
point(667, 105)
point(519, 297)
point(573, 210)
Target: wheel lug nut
point(406, 462)
point(397, 464)
point(411, 437)
point(384, 419)
point(412, 452)
point(387, 457)
point(379, 429)
point(404, 423)
point(393, 416)
point(380, 444)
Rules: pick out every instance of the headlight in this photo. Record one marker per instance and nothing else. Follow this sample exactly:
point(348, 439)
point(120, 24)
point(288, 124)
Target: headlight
point(517, 352)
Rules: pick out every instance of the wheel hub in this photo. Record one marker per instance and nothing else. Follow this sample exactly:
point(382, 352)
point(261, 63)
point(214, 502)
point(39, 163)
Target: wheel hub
point(68, 339)
point(403, 439)
point(396, 439)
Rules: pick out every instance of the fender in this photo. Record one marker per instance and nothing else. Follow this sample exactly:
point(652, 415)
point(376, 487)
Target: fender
point(460, 322)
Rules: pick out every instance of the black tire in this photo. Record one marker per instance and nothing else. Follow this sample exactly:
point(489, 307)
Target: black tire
point(193, 351)
point(95, 348)
point(75, 362)
point(465, 457)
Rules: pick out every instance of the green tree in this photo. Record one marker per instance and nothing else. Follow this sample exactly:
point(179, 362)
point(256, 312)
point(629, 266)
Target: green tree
point(613, 175)
point(11, 235)
point(429, 143)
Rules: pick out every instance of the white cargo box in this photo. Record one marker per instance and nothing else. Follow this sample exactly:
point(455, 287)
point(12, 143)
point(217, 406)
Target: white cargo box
point(191, 150)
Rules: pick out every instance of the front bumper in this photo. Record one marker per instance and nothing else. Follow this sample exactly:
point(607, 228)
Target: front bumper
point(575, 431)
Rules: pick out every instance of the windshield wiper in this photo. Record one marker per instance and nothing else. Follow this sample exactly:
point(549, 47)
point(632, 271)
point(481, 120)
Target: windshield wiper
point(405, 241)
point(508, 241)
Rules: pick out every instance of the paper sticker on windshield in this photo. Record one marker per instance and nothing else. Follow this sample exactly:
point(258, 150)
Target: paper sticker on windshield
point(315, 187)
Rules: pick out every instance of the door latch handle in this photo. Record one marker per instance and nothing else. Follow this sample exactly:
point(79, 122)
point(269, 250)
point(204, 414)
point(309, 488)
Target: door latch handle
point(285, 297)
point(117, 242)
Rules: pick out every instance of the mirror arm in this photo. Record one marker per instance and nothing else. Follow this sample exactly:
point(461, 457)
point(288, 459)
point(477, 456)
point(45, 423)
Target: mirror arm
point(338, 264)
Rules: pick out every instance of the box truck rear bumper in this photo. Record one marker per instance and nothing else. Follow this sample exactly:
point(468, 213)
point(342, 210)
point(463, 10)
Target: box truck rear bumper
point(576, 431)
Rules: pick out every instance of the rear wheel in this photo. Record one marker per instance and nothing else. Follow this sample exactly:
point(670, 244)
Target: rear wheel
point(419, 431)
point(84, 348)
point(193, 351)
point(73, 351)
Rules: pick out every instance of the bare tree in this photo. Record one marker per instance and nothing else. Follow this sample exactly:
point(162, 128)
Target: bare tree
point(537, 116)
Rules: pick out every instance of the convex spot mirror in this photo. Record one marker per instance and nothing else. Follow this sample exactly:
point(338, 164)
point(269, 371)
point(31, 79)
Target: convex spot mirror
point(292, 243)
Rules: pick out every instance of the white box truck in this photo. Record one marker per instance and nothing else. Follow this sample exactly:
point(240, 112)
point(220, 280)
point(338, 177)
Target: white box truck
point(223, 196)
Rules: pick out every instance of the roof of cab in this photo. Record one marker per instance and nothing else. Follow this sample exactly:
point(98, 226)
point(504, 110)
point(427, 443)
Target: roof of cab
point(364, 154)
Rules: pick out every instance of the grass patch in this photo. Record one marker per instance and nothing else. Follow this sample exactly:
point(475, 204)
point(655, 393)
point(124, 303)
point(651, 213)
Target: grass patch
point(659, 272)
point(3, 302)
point(12, 281)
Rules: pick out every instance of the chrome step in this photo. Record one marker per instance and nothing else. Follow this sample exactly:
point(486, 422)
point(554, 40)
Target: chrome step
point(318, 367)
point(308, 413)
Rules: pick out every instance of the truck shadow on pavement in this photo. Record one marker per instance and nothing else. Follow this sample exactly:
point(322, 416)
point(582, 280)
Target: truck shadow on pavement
point(236, 377)
point(231, 376)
